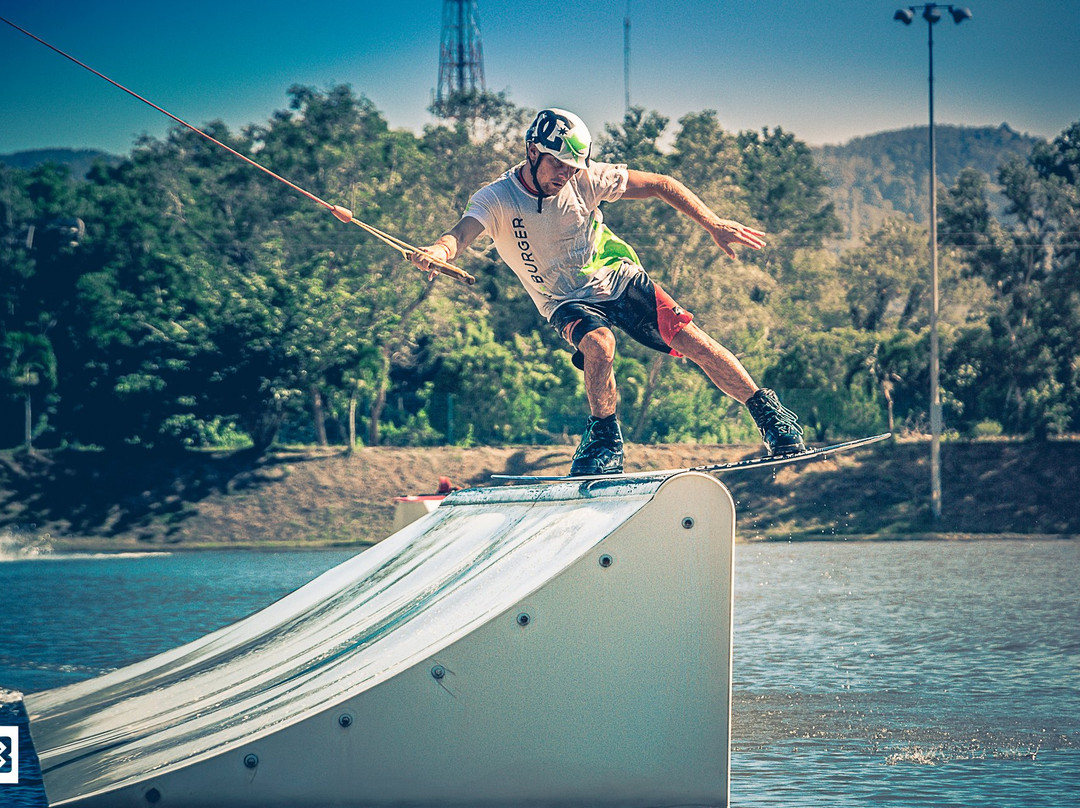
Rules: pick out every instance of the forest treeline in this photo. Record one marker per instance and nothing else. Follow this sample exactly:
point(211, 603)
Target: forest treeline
point(180, 298)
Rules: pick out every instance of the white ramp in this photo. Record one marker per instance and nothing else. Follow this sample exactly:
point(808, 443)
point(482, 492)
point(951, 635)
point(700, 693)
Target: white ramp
point(561, 645)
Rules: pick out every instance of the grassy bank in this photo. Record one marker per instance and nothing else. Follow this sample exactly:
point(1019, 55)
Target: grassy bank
point(317, 497)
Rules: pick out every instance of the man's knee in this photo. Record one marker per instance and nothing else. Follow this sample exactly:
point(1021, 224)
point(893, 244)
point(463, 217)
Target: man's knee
point(598, 345)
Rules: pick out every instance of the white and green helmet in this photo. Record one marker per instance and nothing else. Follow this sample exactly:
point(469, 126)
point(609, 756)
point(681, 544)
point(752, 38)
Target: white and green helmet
point(563, 135)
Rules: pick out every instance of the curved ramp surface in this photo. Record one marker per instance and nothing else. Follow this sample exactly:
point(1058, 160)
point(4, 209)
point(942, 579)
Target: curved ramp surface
point(547, 645)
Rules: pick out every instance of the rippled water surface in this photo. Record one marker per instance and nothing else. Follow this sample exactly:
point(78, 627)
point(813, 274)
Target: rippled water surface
point(930, 674)
point(933, 674)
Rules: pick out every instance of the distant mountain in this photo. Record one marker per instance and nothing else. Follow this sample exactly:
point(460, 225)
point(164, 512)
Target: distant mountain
point(80, 161)
point(874, 177)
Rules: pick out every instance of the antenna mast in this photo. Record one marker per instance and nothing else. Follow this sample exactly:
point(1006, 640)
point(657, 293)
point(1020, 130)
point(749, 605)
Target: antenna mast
point(626, 54)
point(461, 61)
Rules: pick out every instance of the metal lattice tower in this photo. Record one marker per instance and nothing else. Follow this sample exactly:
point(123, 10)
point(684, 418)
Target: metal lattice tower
point(461, 59)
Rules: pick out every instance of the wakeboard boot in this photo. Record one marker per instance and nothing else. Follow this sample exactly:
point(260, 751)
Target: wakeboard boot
point(601, 448)
point(779, 427)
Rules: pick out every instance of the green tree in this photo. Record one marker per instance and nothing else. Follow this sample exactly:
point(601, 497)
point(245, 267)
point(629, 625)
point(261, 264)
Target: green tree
point(815, 377)
point(886, 366)
point(784, 187)
point(29, 372)
point(886, 278)
point(504, 393)
point(39, 243)
point(172, 239)
point(1032, 269)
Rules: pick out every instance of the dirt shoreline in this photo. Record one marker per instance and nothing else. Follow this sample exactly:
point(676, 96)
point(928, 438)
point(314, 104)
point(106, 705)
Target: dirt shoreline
point(317, 498)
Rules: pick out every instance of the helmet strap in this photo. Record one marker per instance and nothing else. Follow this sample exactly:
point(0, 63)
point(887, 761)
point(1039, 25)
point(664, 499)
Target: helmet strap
point(536, 183)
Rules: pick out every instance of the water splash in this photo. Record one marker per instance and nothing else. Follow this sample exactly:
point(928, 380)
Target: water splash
point(944, 753)
point(23, 545)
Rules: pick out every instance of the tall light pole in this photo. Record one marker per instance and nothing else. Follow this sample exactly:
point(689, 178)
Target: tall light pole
point(931, 12)
point(626, 55)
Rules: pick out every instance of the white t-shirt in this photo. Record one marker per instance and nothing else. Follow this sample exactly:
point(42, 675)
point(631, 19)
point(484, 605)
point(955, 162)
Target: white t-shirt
point(565, 252)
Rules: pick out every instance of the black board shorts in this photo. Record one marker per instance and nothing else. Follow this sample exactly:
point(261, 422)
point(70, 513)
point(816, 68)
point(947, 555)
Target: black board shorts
point(644, 311)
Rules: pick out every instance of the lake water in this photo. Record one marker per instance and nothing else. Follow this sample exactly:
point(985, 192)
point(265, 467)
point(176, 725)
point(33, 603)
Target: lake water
point(890, 673)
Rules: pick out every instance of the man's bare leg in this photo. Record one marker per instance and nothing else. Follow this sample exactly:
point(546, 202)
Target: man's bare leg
point(778, 426)
point(601, 448)
point(598, 349)
point(720, 365)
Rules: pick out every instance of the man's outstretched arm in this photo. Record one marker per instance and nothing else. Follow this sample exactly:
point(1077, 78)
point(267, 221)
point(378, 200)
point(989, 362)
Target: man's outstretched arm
point(453, 242)
point(725, 232)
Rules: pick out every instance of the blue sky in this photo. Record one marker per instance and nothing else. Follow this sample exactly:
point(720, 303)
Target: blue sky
point(825, 71)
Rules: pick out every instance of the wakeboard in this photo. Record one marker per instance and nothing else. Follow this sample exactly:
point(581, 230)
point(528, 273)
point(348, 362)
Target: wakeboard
point(817, 452)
